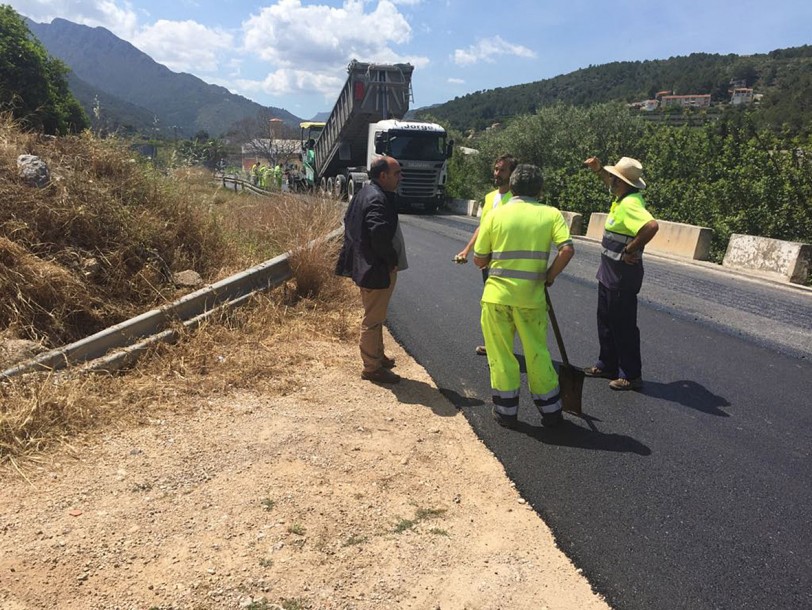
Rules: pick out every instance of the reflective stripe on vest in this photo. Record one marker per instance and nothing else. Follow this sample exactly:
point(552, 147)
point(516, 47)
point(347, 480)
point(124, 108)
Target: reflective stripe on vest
point(613, 244)
point(520, 254)
point(515, 274)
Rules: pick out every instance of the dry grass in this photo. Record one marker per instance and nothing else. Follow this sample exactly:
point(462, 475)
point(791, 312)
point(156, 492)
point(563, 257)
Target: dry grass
point(141, 227)
point(259, 346)
point(115, 228)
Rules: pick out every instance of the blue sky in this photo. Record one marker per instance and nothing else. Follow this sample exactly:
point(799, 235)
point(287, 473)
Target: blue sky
point(293, 54)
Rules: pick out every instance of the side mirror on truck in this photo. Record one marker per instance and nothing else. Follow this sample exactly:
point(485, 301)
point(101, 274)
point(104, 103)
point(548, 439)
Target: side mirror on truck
point(380, 143)
point(449, 149)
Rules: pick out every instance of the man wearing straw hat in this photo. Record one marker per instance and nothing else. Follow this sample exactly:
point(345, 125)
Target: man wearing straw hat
point(629, 227)
point(514, 242)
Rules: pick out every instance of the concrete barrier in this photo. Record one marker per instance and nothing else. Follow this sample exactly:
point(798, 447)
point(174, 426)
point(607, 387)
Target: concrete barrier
point(575, 222)
point(468, 207)
point(674, 238)
point(784, 261)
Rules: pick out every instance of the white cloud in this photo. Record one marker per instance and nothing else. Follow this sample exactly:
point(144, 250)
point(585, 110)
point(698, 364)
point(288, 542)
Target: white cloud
point(456, 81)
point(310, 46)
point(117, 16)
point(488, 49)
point(184, 46)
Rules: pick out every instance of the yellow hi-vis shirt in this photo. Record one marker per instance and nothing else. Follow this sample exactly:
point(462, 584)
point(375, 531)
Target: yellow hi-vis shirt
point(493, 200)
point(518, 237)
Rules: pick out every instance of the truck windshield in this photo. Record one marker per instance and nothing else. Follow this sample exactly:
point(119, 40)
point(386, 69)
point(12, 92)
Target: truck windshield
point(424, 146)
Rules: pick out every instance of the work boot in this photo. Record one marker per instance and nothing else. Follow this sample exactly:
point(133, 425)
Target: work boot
point(551, 420)
point(380, 375)
point(388, 363)
point(481, 351)
point(506, 421)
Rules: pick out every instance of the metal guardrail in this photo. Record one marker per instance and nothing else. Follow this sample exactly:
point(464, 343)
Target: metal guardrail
point(239, 183)
point(133, 337)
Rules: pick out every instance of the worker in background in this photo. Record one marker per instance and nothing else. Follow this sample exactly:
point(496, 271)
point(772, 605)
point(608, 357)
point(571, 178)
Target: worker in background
point(264, 176)
point(502, 168)
point(372, 254)
point(255, 173)
point(514, 241)
point(277, 176)
point(629, 227)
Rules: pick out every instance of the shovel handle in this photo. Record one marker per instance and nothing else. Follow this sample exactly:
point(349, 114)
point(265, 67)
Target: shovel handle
point(556, 331)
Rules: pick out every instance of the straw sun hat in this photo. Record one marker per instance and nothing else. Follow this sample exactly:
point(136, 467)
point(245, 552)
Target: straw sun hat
point(629, 170)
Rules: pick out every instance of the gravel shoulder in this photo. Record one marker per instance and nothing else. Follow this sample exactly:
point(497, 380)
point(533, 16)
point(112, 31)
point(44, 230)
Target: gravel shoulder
point(338, 495)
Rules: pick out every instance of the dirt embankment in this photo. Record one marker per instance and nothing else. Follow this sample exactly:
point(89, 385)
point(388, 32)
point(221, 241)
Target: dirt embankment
point(336, 494)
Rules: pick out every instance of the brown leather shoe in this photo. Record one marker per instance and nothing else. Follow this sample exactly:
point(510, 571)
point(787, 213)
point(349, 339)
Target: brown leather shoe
point(388, 363)
point(382, 375)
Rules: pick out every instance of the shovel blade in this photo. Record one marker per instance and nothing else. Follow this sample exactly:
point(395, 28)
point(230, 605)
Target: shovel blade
point(571, 384)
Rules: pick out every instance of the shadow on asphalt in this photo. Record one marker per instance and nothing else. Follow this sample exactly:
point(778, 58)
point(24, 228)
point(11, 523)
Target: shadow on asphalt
point(570, 434)
point(688, 393)
point(412, 392)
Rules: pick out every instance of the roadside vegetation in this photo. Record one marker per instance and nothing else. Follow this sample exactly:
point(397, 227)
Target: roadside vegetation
point(102, 242)
point(728, 175)
point(34, 85)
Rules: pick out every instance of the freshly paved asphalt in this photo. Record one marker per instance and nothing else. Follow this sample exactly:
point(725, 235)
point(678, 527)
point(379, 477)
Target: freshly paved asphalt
point(695, 492)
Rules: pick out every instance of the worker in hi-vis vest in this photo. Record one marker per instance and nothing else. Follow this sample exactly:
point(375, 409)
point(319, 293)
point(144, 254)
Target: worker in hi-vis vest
point(629, 227)
point(502, 168)
point(514, 241)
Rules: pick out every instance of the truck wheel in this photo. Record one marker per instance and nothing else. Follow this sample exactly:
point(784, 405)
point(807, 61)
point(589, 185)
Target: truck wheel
point(338, 187)
point(323, 186)
point(351, 186)
point(328, 188)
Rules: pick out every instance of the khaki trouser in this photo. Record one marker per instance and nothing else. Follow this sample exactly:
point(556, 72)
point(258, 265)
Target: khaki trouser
point(376, 302)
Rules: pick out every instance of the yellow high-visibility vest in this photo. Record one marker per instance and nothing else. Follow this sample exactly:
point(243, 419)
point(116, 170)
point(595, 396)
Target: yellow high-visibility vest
point(492, 201)
point(518, 237)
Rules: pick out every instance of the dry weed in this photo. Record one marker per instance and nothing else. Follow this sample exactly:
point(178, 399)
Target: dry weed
point(138, 227)
point(259, 346)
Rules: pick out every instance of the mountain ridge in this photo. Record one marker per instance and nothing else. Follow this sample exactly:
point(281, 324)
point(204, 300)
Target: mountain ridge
point(783, 76)
point(180, 104)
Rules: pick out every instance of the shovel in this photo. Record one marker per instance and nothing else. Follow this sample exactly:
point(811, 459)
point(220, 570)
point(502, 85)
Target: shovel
point(570, 378)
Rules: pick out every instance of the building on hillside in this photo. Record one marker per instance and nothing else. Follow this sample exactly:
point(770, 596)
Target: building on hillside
point(645, 105)
point(694, 100)
point(742, 95)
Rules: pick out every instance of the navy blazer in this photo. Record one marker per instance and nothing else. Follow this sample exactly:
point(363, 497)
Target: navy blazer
point(368, 255)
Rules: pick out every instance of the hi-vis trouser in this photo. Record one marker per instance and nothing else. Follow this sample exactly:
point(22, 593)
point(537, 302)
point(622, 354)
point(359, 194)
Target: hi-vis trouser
point(500, 323)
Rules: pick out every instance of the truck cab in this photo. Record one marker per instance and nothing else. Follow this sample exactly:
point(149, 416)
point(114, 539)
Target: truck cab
point(423, 151)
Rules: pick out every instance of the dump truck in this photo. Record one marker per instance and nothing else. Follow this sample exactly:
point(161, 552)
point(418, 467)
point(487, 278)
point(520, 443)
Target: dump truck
point(366, 122)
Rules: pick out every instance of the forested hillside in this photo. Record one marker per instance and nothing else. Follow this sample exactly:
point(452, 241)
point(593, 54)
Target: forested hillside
point(784, 77)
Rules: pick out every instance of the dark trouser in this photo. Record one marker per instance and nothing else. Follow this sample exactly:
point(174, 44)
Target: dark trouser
point(618, 333)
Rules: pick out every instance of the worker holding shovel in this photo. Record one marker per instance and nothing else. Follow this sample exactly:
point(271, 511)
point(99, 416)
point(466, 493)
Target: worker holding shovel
point(514, 242)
